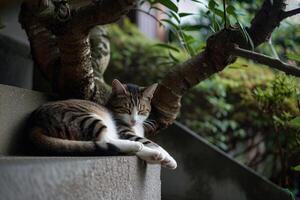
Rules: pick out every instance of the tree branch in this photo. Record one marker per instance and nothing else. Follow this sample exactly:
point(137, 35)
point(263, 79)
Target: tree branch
point(60, 42)
point(290, 13)
point(215, 57)
point(42, 42)
point(267, 60)
point(266, 20)
point(80, 15)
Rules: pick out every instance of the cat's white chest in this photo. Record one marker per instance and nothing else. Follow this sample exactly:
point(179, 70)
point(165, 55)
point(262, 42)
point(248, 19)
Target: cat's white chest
point(138, 130)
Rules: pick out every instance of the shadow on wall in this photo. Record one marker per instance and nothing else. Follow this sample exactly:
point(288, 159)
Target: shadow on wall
point(16, 66)
point(204, 172)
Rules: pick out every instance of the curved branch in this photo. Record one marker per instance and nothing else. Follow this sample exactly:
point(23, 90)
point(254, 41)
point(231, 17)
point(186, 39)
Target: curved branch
point(290, 13)
point(166, 100)
point(266, 20)
point(42, 42)
point(267, 60)
point(80, 15)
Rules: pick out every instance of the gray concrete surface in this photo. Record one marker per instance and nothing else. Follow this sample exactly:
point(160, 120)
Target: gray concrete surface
point(84, 178)
point(206, 173)
point(16, 66)
point(12, 28)
point(16, 104)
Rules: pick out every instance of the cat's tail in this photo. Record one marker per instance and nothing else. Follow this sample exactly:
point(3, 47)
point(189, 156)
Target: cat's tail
point(57, 146)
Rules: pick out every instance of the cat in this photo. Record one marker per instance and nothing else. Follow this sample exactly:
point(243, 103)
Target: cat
point(76, 127)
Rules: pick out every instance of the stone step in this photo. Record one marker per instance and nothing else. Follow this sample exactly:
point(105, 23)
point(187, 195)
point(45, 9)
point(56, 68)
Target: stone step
point(78, 178)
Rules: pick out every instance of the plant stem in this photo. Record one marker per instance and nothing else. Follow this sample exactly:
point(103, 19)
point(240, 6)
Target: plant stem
point(224, 11)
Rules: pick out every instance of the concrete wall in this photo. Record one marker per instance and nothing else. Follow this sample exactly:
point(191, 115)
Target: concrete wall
point(16, 66)
point(16, 104)
point(205, 172)
point(12, 28)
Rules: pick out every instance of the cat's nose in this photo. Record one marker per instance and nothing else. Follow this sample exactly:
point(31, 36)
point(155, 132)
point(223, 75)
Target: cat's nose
point(133, 122)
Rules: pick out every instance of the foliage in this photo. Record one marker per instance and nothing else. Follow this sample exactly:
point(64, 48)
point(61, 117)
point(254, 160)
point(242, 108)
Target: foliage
point(134, 55)
point(240, 108)
point(249, 116)
point(191, 34)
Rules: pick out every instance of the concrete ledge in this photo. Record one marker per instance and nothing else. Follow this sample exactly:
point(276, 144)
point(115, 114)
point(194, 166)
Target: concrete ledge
point(70, 178)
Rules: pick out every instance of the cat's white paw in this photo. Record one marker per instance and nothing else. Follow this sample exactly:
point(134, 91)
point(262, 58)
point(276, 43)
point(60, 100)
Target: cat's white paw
point(168, 161)
point(152, 156)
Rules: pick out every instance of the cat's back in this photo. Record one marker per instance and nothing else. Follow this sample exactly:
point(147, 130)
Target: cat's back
point(72, 119)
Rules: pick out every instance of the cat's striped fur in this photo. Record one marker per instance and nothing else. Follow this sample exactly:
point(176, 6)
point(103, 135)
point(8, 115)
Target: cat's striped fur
point(82, 127)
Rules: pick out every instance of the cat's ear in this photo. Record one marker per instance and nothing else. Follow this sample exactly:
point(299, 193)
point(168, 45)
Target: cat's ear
point(149, 91)
point(118, 87)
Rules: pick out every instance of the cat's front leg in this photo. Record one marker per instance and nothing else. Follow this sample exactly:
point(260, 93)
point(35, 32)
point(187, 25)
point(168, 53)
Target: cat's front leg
point(157, 155)
point(124, 146)
point(151, 152)
point(168, 161)
point(150, 155)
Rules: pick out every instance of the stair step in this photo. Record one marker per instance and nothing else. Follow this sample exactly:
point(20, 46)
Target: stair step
point(80, 178)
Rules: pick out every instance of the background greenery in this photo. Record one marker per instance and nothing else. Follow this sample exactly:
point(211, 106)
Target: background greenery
point(244, 110)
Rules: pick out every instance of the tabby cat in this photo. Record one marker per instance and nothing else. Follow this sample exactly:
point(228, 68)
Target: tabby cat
point(82, 127)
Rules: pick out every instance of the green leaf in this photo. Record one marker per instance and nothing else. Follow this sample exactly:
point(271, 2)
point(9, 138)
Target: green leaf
point(245, 34)
point(175, 16)
point(173, 58)
point(196, 27)
point(185, 14)
point(212, 4)
point(293, 56)
point(167, 46)
point(189, 40)
point(236, 66)
point(295, 122)
point(215, 24)
point(296, 168)
point(170, 23)
point(169, 4)
point(231, 11)
point(197, 1)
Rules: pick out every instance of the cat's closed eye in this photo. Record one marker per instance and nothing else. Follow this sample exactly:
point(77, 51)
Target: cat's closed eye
point(123, 110)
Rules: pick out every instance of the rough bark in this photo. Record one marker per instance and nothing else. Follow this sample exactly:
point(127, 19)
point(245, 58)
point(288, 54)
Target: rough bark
point(60, 39)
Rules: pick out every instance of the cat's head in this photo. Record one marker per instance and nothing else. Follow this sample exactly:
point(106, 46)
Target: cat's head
point(131, 103)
